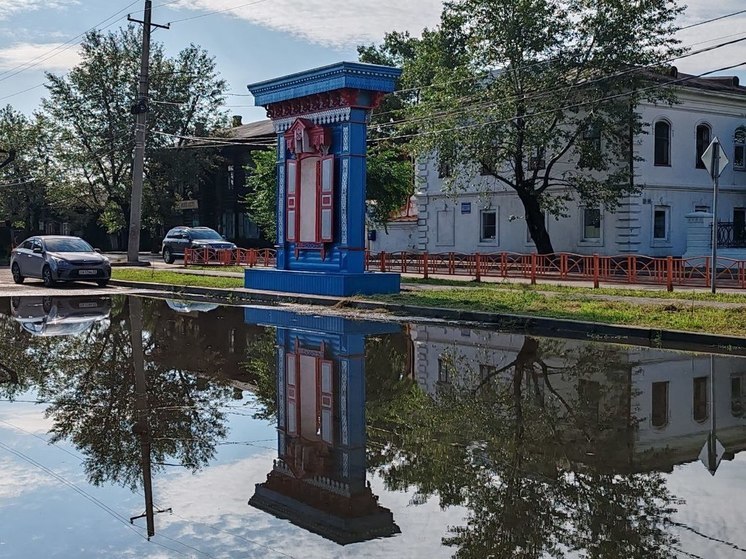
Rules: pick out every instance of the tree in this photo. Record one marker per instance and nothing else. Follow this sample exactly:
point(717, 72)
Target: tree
point(542, 95)
point(24, 182)
point(91, 106)
point(261, 200)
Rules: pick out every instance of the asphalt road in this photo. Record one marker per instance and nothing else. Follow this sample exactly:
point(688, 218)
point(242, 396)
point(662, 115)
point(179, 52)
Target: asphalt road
point(33, 287)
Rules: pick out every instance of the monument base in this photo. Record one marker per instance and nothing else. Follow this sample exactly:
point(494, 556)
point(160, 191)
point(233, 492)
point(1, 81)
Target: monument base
point(322, 283)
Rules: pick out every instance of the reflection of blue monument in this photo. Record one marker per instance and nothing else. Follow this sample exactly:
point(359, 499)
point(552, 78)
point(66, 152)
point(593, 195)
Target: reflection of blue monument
point(318, 480)
point(321, 118)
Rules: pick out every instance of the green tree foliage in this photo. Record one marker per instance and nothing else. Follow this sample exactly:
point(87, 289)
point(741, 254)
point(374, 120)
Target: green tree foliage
point(91, 107)
point(25, 181)
point(261, 200)
point(521, 91)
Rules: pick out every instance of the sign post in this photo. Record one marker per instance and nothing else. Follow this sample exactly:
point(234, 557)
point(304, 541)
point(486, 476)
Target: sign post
point(715, 161)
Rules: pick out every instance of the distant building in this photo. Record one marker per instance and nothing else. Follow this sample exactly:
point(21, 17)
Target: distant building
point(486, 216)
point(220, 194)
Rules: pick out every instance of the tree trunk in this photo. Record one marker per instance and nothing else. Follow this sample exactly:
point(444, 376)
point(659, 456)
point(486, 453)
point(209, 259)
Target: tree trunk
point(537, 226)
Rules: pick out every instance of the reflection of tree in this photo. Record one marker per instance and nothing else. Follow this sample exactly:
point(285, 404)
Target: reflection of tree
point(19, 367)
point(92, 389)
point(529, 449)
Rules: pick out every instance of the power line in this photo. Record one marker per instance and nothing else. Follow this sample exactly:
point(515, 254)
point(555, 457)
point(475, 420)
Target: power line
point(60, 48)
point(739, 12)
point(539, 94)
point(553, 111)
point(218, 11)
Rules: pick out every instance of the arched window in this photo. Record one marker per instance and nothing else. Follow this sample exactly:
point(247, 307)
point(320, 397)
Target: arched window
point(703, 140)
point(662, 143)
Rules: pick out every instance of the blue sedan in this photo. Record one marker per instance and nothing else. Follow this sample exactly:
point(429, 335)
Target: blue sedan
point(58, 259)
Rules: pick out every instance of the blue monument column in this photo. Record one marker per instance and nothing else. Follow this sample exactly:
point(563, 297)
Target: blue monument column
point(318, 480)
point(321, 120)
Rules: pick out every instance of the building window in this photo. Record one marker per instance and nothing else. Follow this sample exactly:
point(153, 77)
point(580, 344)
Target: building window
point(443, 371)
point(700, 400)
point(662, 143)
point(231, 177)
point(739, 153)
point(660, 223)
point(659, 415)
point(737, 395)
point(488, 226)
point(486, 371)
point(591, 145)
point(703, 141)
point(591, 224)
point(444, 169)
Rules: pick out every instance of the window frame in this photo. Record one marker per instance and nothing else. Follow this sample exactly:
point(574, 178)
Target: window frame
point(667, 162)
point(739, 142)
point(483, 240)
point(591, 240)
point(698, 147)
point(667, 393)
point(666, 239)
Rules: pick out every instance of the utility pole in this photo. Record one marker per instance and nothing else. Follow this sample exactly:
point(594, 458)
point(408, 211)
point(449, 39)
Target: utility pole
point(141, 110)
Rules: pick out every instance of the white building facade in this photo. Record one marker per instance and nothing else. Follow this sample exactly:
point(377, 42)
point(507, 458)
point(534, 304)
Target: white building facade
point(485, 216)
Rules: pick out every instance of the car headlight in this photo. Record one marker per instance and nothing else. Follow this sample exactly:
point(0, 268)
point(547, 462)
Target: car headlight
point(60, 262)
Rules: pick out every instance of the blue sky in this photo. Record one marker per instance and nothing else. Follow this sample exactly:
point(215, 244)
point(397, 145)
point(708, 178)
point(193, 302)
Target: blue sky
point(254, 41)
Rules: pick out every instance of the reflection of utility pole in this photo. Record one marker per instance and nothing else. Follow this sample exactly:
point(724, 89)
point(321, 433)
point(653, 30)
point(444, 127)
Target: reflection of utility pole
point(142, 425)
point(141, 110)
point(713, 451)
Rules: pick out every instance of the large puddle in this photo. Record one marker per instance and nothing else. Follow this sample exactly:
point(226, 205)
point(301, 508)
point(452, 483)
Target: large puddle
point(150, 428)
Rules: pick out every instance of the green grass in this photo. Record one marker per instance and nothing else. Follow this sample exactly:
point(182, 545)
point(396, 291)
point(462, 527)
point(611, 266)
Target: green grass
point(659, 293)
point(679, 316)
point(218, 268)
point(572, 303)
point(175, 278)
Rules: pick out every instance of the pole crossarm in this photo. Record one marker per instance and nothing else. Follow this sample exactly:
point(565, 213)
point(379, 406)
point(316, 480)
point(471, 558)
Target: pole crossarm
point(133, 20)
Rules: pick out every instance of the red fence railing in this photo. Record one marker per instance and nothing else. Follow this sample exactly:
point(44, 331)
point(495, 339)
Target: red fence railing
point(248, 257)
point(564, 266)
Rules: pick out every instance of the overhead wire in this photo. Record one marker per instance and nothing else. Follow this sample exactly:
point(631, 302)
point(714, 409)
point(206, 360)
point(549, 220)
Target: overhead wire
point(217, 11)
point(541, 94)
point(554, 111)
point(70, 43)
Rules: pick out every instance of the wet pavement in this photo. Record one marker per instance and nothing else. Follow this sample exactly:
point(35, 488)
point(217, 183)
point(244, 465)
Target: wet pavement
point(134, 427)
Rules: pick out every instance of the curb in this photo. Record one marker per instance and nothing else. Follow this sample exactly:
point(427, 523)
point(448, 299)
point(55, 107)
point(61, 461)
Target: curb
point(545, 326)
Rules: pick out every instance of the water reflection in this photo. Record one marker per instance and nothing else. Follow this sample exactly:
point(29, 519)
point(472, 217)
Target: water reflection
point(318, 480)
point(59, 316)
point(544, 447)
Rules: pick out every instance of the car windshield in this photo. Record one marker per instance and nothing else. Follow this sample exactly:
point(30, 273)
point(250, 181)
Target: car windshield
point(68, 245)
point(204, 234)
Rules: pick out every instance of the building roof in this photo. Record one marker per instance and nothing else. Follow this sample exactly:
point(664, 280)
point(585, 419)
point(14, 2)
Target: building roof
point(259, 130)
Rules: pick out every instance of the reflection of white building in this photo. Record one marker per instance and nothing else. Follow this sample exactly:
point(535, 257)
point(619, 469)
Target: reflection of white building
point(668, 395)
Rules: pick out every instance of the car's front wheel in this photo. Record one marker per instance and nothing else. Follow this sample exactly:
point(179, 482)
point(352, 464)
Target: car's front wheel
point(168, 256)
point(46, 275)
point(16, 271)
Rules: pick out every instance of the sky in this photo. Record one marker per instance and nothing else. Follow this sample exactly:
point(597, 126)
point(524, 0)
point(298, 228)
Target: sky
point(261, 39)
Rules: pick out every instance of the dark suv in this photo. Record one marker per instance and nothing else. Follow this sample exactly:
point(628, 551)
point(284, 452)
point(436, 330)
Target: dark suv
point(180, 238)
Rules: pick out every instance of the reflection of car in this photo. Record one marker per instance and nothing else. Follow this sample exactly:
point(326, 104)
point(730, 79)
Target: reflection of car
point(58, 258)
point(59, 316)
point(180, 238)
point(184, 306)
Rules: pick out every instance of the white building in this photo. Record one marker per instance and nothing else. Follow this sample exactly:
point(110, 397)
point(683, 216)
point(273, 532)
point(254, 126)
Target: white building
point(488, 217)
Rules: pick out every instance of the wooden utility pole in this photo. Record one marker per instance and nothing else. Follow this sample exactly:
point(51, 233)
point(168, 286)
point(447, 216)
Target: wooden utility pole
point(141, 110)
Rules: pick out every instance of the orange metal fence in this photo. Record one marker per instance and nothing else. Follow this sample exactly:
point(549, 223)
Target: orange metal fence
point(248, 257)
point(630, 269)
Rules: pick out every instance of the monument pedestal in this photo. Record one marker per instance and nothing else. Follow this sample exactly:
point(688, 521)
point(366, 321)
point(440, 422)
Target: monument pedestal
point(332, 284)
